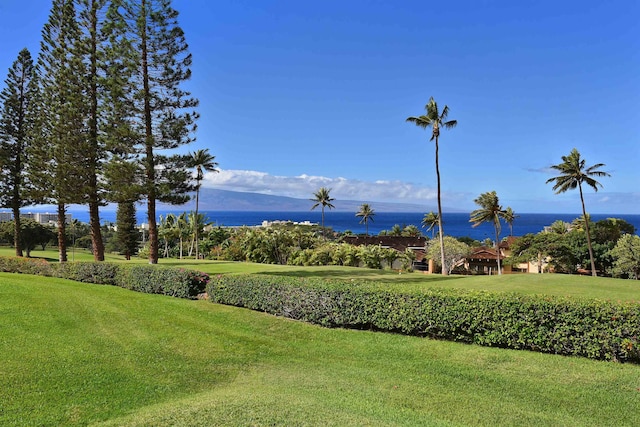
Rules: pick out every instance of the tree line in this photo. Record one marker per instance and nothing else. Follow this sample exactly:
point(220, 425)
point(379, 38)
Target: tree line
point(573, 173)
point(608, 247)
point(98, 116)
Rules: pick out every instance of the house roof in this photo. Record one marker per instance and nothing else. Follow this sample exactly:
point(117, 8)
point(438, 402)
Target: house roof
point(483, 252)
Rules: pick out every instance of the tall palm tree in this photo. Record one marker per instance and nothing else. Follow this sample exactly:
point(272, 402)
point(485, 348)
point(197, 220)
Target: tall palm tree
point(367, 214)
point(489, 211)
point(203, 161)
point(434, 119)
point(322, 198)
point(509, 217)
point(573, 174)
point(430, 221)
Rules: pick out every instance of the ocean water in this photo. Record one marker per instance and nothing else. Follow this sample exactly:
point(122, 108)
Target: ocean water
point(455, 224)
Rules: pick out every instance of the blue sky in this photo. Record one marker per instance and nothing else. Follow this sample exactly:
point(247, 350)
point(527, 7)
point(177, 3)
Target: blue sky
point(295, 95)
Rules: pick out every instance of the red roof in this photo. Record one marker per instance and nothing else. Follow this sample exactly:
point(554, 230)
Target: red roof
point(483, 252)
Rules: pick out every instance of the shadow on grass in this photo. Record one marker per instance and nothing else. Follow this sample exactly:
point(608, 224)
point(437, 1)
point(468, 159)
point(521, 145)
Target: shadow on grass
point(46, 258)
point(373, 275)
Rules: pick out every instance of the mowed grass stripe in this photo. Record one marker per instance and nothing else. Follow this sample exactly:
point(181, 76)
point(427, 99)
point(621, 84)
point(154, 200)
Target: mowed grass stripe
point(77, 354)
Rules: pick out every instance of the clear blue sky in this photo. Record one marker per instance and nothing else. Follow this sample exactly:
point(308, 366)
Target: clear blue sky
point(295, 95)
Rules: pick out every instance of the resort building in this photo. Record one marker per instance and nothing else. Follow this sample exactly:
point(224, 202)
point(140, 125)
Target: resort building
point(40, 217)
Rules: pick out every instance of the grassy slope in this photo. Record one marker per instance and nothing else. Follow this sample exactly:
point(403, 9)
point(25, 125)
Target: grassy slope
point(73, 353)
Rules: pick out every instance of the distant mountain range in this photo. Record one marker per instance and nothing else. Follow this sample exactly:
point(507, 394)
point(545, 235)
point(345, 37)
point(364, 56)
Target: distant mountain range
point(212, 199)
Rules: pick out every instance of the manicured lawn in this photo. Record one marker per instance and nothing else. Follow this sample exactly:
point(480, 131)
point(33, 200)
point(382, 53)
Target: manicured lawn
point(549, 284)
point(78, 354)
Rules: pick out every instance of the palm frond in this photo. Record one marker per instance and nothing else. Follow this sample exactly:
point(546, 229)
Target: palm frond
point(444, 114)
point(422, 121)
point(450, 124)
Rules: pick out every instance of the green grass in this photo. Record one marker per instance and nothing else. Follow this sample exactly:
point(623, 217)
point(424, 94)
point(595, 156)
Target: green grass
point(549, 284)
point(79, 354)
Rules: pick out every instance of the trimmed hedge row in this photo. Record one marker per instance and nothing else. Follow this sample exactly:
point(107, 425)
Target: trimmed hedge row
point(175, 282)
point(594, 329)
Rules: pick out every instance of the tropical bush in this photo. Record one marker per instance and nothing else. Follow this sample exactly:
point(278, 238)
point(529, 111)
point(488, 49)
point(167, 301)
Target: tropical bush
point(589, 328)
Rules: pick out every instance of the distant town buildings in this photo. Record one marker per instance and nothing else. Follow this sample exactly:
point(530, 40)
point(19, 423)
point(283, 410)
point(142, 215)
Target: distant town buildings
point(41, 217)
point(279, 222)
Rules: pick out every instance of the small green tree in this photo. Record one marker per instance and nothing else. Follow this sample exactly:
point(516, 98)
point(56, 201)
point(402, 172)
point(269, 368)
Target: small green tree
point(32, 234)
point(455, 253)
point(626, 255)
point(390, 255)
point(531, 248)
point(127, 234)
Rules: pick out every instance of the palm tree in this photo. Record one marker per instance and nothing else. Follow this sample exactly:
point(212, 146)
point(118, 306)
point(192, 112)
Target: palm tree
point(396, 230)
point(572, 174)
point(197, 224)
point(434, 119)
point(430, 221)
point(166, 230)
point(366, 213)
point(509, 217)
point(411, 231)
point(322, 198)
point(181, 230)
point(202, 160)
point(490, 211)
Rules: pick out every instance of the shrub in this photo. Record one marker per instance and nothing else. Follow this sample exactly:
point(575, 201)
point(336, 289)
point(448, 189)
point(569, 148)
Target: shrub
point(26, 266)
point(588, 328)
point(175, 282)
point(90, 272)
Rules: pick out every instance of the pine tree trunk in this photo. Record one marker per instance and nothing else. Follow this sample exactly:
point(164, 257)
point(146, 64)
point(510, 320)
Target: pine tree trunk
point(96, 232)
point(94, 215)
point(16, 231)
point(150, 163)
point(62, 229)
point(153, 229)
point(197, 221)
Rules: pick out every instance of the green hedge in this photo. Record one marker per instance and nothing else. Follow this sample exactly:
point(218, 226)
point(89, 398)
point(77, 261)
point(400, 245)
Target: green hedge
point(26, 266)
point(589, 328)
point(176, 282)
